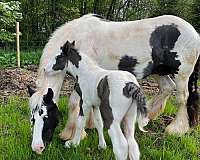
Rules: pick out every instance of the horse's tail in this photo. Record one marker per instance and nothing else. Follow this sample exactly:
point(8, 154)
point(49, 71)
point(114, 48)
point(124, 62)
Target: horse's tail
point(134, 91)
point(193, 107)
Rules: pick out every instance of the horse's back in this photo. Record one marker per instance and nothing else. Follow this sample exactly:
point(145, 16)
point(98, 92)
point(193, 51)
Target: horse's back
point(107, 42)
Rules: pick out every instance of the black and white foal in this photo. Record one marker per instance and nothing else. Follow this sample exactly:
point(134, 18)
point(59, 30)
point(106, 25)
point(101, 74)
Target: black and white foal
point(44, 119)
point(115, 97)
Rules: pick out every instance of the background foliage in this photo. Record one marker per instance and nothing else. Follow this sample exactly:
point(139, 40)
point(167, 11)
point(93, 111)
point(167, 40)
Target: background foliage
point(42, 17)
point(9, 14)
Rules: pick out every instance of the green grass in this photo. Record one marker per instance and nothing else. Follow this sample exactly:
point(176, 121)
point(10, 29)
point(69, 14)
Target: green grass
point(9, 58)
point(15, 138)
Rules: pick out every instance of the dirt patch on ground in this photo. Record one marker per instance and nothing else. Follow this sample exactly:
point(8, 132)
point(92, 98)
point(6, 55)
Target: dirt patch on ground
point(15, 81)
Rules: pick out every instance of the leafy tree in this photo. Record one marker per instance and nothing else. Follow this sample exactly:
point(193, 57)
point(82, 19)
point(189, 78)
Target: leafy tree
point(41, 18)
point(196, 15)
point(9, 14)
point(165, 7)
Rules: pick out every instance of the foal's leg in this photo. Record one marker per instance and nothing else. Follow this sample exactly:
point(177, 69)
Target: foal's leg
point(157, 104)
point(180, 124)
point(69, 130)
point(119, 142)
point(80, 124)
point(129, 129)
point(99, 126)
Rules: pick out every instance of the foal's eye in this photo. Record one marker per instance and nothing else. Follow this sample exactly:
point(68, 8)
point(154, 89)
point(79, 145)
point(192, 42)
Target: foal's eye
point(43, 112)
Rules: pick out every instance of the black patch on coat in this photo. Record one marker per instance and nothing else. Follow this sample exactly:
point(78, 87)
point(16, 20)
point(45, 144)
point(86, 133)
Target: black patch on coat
point(71, 53)
point(127, 63)
point(131, 90)
point(61, 61)
point(33, 120)
point(74, 57)
point(41, 112)
point(69, 74)
point(68, 52)
point(78, 90)
point(50, 122)
point(52, 119)
point(162, 41)
point(193, 107)
point(30, 90)
point(105, 109)
point(148, 70)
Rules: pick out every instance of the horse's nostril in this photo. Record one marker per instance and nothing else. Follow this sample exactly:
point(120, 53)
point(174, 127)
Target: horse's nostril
point(41, 148)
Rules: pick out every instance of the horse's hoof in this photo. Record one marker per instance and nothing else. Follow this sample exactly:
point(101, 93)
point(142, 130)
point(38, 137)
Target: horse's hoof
point(178, 129)
point(83, 134)
point(66, 135)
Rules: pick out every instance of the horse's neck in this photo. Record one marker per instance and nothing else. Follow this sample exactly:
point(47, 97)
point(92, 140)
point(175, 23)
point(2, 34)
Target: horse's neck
point(53, 81)
point(87, 67)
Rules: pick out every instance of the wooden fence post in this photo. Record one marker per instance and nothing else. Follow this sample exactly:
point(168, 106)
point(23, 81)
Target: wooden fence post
point(18, 47)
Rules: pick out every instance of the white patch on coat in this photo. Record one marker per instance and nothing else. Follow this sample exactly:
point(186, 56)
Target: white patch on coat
point(38, 125)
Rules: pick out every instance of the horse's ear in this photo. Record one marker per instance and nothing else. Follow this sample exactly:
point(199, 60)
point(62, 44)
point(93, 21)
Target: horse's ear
point(73, 43)
point(30, 90)
point(49, 96)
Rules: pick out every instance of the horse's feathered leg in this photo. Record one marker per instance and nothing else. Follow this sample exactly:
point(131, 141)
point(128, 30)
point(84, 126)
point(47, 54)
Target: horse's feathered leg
point(180, 125)
point(157, 104)
point(73, 112)
point(182, 122)
point(69, 130)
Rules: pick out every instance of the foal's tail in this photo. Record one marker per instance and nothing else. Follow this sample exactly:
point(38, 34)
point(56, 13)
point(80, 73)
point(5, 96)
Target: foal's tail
point(193, 107)
point(142, 117)
point(134, 91)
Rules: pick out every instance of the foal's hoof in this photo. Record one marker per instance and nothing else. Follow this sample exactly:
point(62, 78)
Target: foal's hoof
point(68, 144)
point(102, 146)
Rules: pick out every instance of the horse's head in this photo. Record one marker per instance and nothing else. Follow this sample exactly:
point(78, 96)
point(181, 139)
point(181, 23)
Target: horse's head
point(44, 118)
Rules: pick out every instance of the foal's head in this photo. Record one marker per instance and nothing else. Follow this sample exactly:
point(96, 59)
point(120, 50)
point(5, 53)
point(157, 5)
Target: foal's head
point(68, 54)
point(44, 119)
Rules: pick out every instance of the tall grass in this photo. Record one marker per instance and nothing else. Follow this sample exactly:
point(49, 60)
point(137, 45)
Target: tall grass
point(15, 138)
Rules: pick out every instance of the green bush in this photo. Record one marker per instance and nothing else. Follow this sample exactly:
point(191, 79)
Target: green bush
point(9, 58)
point(9, 15)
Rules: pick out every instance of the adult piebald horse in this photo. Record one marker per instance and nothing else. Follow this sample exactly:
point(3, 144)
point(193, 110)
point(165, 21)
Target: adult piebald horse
point(165, 45)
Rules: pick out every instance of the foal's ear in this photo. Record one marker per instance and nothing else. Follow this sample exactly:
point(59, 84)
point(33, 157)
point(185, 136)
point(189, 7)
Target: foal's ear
point(30, 91)
point(66, 48)
point(49, 96)
point(73, 43)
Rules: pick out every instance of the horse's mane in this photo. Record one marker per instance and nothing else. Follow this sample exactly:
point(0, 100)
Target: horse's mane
point(56, 40)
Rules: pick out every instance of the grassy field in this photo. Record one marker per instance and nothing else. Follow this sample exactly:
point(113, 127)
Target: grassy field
point(15, 138)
